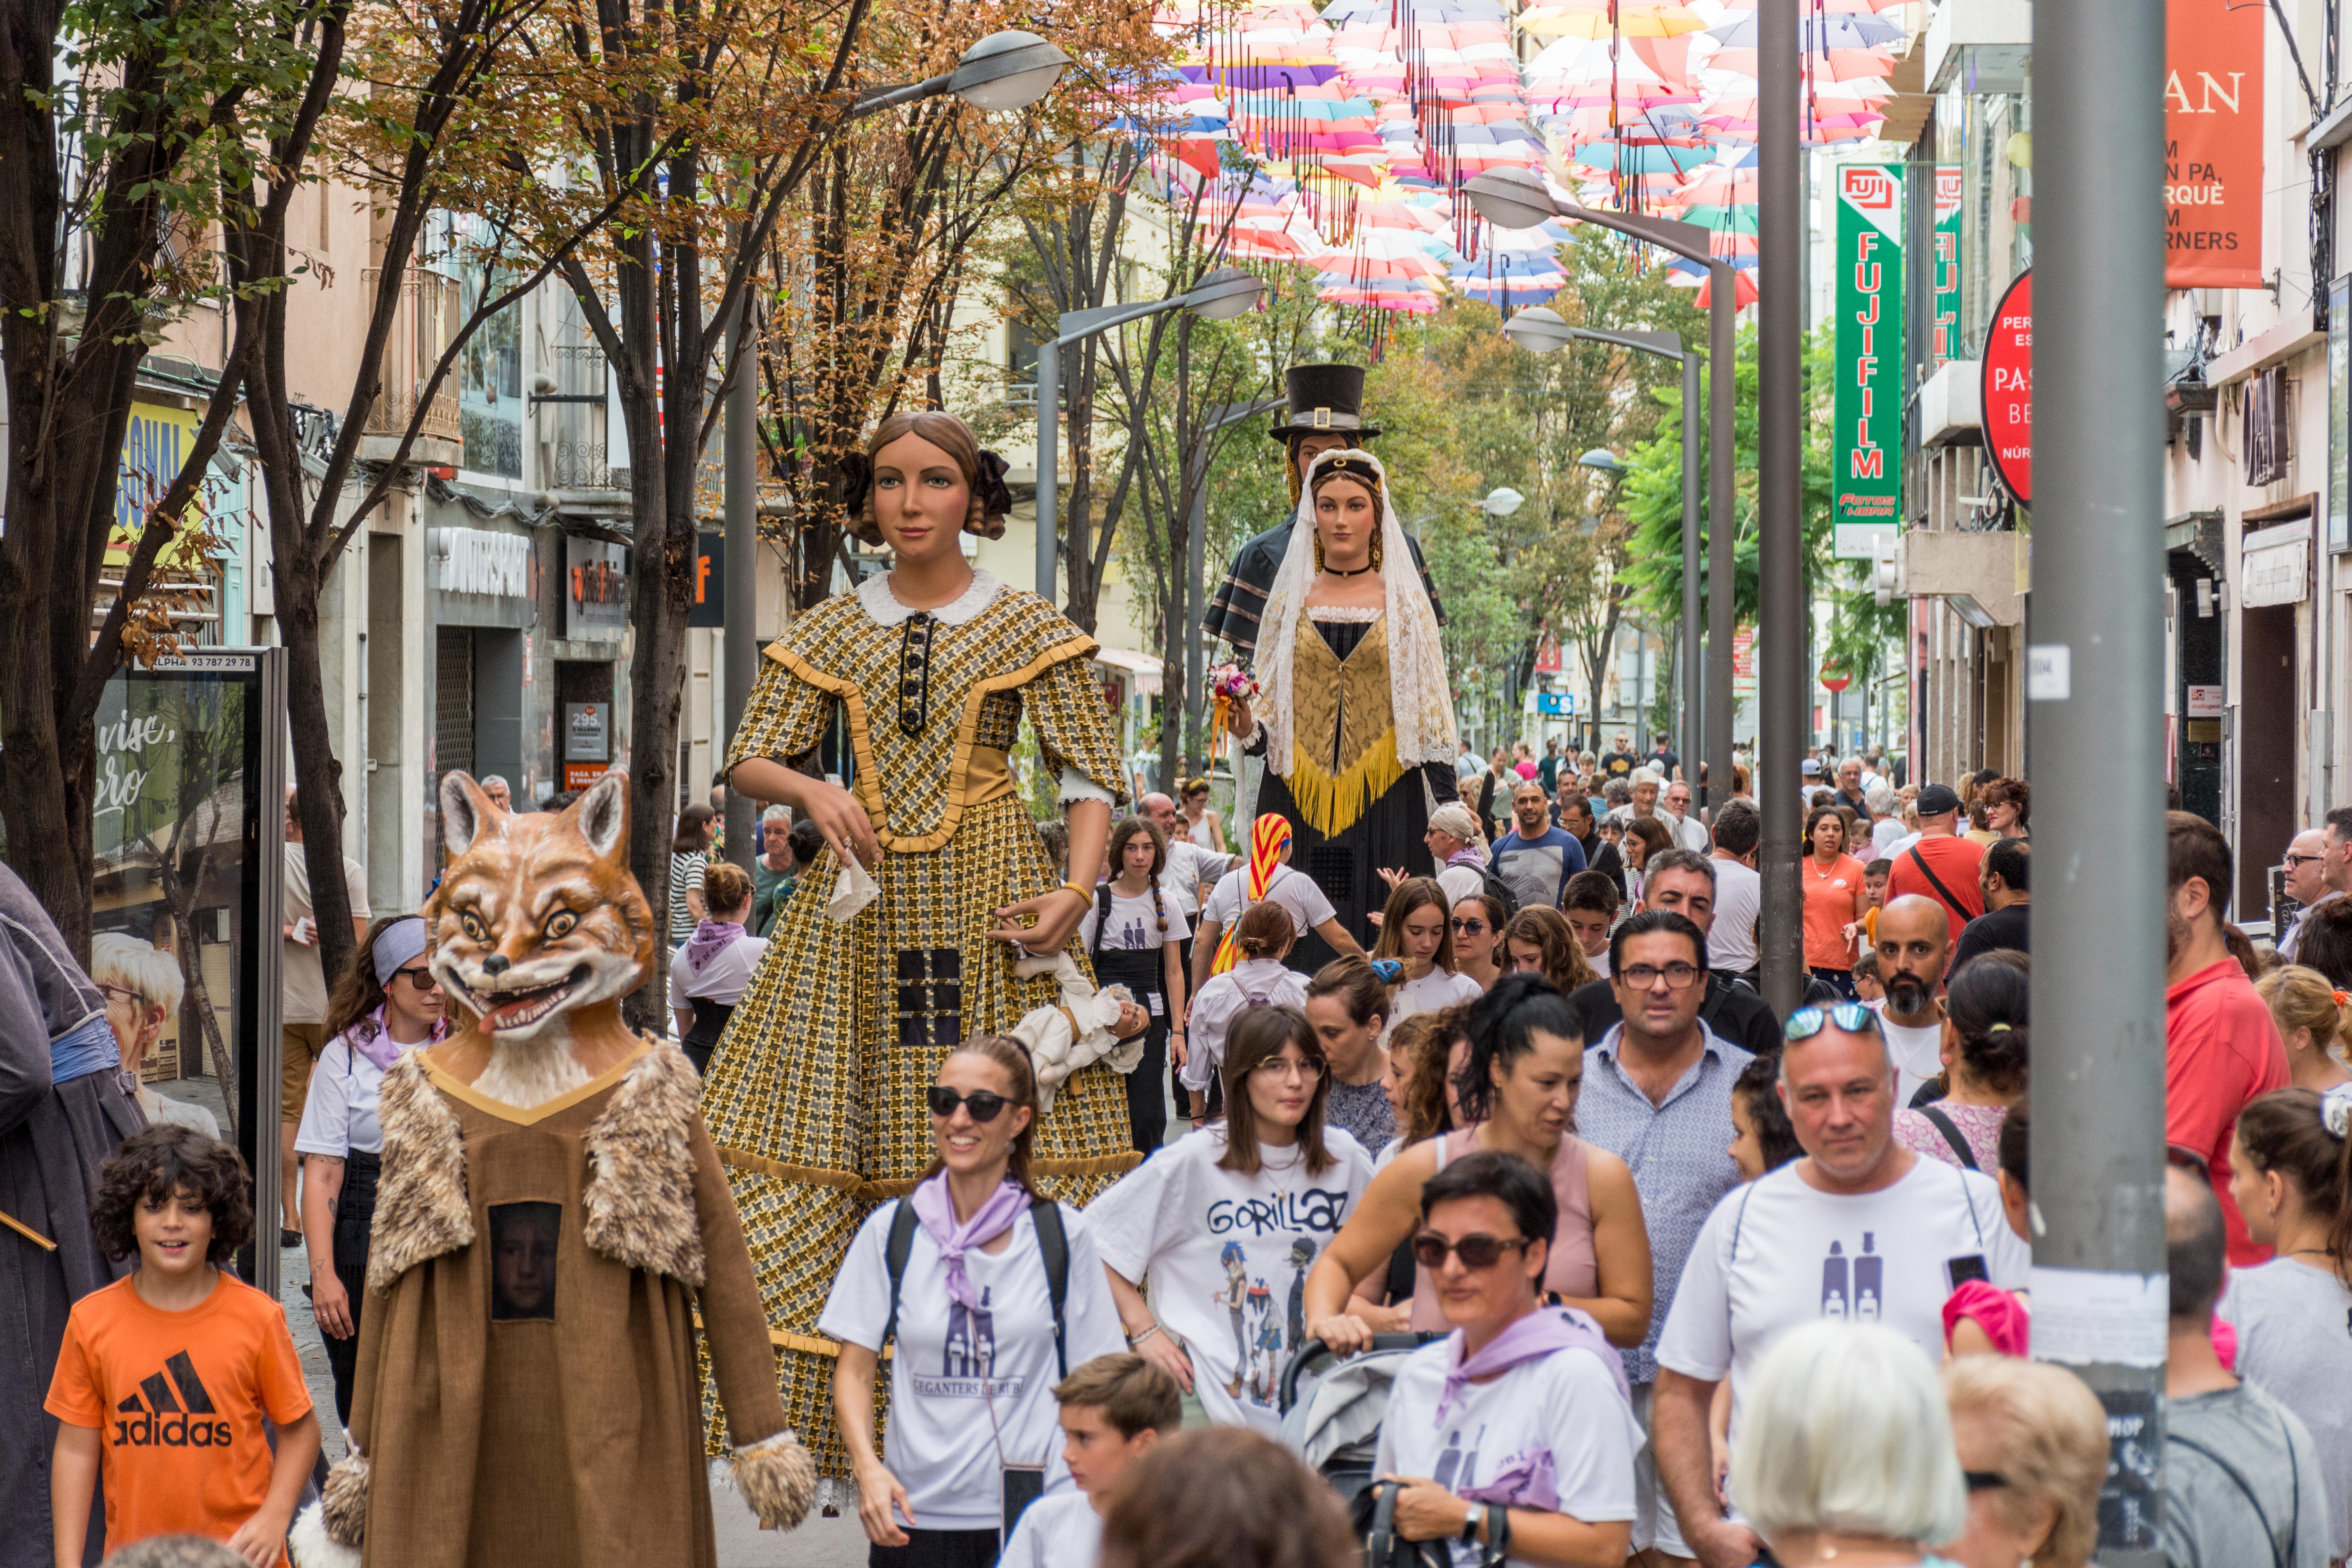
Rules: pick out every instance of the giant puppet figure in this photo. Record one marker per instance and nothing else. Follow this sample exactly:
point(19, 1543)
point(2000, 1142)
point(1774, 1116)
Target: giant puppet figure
point(553, 1234)
point(1354, 720)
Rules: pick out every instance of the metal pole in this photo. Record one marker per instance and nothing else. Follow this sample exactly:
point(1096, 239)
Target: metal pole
point(1692, 685)
point(1780, 608)
point(740, 654)
point(1196, 607)
point(1722, 506)
point(2095, 665)
point(1049, 440)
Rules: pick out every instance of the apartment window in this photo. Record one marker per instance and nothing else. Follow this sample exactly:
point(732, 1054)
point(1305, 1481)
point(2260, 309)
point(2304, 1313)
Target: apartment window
point(2267, 439)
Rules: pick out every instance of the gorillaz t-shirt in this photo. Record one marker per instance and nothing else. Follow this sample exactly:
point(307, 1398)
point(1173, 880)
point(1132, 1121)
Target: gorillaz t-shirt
point(178, 1400)
point(1224, 1257)
point(954, 1365)
point(1778, 1252)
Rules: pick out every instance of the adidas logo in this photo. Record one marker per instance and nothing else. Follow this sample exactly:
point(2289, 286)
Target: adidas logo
point(162, 1421)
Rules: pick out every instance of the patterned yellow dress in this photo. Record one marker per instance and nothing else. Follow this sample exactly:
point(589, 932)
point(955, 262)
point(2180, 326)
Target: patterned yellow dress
point(815, 1094)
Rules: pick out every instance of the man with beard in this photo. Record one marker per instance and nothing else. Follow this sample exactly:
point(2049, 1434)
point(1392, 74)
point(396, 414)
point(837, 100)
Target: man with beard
point(1575, 819)
point(1914, 950)
point(2221, 1047)
point(1536, 860)
point(2008, 920)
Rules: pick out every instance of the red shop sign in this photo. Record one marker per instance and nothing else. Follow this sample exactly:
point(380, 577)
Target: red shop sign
point(2008, 388)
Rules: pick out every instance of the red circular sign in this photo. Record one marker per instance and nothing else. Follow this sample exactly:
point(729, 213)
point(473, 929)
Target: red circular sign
point(2008, 388)
point(1835, 679)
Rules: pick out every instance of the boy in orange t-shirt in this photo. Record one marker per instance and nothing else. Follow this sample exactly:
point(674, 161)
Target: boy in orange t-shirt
point(165, 1376)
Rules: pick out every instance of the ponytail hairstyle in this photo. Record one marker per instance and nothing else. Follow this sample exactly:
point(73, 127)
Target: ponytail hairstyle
point(1269, 842)
point(1257, 1035)
point(2300, 997)
point(2306, 1137)
point(1988, 1003)
point(1021, 1089)
point(1409, 897)
point(1263, 931)
point(1351, 983)
point(1546, 931)
point(1502, 1029)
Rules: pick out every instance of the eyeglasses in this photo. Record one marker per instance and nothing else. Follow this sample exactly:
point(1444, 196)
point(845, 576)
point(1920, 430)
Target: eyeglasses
point(983, 1105)
point(113, 993)
point(1481, 1251)
point(1643, 976)
point(2295, 860)
point(1468, 927)
point(1289, 1067)
point(1984, 1480)
point(1852, 1016)
point(421, 978)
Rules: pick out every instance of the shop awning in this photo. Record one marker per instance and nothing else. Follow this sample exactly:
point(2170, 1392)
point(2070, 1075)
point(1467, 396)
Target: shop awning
point(1142, 666)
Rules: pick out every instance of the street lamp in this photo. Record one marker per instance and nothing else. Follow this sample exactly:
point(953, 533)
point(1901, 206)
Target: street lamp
point(1219, 296)
point(1011, 70)
point(1502, 502)
point(1518, 198)
point(1196, 563)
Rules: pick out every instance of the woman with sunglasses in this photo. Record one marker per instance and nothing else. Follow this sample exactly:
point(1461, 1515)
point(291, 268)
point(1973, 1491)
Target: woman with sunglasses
point(972, 1304)
point(1477, 928)
point(1517, 1095)
point(1221, 1226)
point(1415, 930)
point(386, 1002)
point(1516, 1432)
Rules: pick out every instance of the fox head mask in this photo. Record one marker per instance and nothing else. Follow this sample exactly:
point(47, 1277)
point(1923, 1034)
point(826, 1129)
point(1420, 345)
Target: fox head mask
point(537, 915)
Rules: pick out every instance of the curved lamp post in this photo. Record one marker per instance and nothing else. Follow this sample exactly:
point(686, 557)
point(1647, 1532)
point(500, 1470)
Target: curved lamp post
point(1011, 70)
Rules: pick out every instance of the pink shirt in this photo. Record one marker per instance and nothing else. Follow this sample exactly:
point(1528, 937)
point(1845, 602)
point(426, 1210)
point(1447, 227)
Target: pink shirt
point(1571, 1270)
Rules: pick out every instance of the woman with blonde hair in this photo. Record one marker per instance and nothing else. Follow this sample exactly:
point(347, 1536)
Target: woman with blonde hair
point(143, 986)
point(2309, 1013)
point(2031, 1440)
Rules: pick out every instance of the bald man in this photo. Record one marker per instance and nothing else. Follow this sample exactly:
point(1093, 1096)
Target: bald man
point(1914, 946)
point(1190, 869)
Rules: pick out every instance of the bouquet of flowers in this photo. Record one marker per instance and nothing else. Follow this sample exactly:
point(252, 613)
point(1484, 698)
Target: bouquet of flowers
point(1228, 684)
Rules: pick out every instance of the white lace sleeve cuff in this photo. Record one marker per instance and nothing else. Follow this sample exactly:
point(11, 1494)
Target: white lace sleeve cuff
point(1076, 786)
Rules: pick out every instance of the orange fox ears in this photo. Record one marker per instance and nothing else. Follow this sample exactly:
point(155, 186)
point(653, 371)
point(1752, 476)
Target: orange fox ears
point(466, 811)
point(602, 816)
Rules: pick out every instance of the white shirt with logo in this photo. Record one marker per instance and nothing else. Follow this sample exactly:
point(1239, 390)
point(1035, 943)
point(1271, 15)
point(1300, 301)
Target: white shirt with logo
point(1436, 989)
point(1134, 923)
point(1224, 1256)
point(1778, 1252)
point(952, 1366)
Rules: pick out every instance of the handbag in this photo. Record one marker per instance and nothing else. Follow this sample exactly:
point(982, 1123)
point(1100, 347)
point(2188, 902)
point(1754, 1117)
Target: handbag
point(1374, 1515)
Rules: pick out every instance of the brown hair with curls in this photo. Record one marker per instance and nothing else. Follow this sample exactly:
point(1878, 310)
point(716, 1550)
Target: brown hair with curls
point(1546, 931)
point(1226, 1496)
point(1021, 1089)
point(1425, 1040)
point(950, 435)
point(161, 1161)
point(1406, 900)
point(725, 886)
point(1257, 1035)
point(2285, 1131)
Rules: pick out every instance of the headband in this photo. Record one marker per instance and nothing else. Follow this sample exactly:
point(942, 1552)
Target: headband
point(395, 944)
point(1345, 464)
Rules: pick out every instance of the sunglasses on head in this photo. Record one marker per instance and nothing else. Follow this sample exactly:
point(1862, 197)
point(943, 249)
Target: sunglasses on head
point(982, 1104)
point(1479, 1251)
point(1852, 1016)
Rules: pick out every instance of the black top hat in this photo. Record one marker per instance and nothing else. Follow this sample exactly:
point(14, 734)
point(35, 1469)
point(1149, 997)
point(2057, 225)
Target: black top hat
point(1325, 398)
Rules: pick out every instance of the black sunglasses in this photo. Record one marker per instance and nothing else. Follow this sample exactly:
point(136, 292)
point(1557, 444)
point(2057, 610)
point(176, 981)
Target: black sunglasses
point(1469, 928)
point(1429, 1249)
point(420, 978)
point(1983, 1481)
point(983, 1105)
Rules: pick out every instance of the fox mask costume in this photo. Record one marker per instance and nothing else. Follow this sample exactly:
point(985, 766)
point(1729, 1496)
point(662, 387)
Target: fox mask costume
point(550, 1221)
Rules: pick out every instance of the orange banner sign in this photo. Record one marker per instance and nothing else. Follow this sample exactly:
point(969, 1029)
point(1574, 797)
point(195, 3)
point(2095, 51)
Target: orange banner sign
point(2213, 145)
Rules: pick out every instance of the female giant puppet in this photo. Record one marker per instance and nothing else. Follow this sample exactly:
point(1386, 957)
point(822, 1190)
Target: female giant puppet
point(1355, 716)
point(815, 1097)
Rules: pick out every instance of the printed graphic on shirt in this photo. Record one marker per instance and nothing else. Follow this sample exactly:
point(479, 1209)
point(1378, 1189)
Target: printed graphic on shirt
point(522, 1261)
point(168, 1411)
point(1853, 1287)
point(968, 1357)
point(1264, 1335)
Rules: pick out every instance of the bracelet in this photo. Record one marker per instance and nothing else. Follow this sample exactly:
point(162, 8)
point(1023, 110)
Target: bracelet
point(1086, 893)
point(1135, 1340)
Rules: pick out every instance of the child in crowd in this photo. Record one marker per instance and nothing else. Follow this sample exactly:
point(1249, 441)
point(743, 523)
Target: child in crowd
point(1590, 901)
point(165, 1376)
point(1263, 939)
point(1867, 985)
point(1114, 1409)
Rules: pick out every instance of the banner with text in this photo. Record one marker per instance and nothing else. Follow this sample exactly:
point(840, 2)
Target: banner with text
point(1867, 479)
point(2213, 145)
point(1947, 319)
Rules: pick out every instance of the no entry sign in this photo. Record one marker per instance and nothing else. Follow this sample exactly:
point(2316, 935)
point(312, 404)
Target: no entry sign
point(2008, 388)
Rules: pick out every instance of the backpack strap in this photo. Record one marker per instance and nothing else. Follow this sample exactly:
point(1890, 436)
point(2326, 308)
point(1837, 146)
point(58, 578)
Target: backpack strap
point(1054, 1248)
point(1102, 914)
point(2269, 1536)
point(1936, 882)
point(1951, 1131)
point(895, 1253)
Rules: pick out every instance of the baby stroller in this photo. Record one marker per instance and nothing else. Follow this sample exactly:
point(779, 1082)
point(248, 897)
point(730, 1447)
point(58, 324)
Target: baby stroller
point(1331, 1408)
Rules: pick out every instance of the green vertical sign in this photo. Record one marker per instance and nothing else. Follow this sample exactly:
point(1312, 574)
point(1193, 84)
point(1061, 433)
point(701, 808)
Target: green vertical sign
point(1946, 344)
point(1867, 452)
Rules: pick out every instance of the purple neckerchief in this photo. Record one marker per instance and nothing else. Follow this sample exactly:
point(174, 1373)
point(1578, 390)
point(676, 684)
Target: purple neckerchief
point(1531, 1338)
point(710, 939)
point(935, 1209)
point(1528, 1478)
point(1465, 856)
point(372, 1038)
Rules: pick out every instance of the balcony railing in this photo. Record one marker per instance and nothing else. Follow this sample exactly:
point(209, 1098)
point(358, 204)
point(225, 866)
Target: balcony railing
point(574, 419)
point(423, 326)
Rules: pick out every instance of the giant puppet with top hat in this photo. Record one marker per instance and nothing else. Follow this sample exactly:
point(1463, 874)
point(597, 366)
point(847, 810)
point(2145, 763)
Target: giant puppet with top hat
point(1351, 738)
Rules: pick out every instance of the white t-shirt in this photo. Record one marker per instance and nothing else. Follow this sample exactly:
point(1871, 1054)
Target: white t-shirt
point(339, 1116)
point(1738, 896)
point(1600, 961)
point(939, 1441)
point(1567, 1403)
point(722, 979)
point(1134, 922)
point(1188, 866)
point(1432, 991)
point(1253, 982)
point(1918, 1050)
point(1777, 1253)
point(1461, 881)
point(1060, 1532)
point(1293, 890)
point(1224, 1256)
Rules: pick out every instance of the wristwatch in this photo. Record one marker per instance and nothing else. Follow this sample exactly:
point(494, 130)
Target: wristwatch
point(1470, 1523)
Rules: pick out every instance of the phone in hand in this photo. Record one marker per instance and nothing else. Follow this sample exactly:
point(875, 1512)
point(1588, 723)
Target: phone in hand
point(306, 932)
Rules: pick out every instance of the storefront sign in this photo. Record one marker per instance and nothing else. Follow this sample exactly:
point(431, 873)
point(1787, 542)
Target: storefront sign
point(2008, 388)
point(595, 591)
point(587, 734)
point(1950, 178)
point(1868, 451)
point(709, 608)
point(2212, 144)
point(1548, 653)
point(2275, 565)
point(580, 775)
point(477, 561)
point(1743, 660)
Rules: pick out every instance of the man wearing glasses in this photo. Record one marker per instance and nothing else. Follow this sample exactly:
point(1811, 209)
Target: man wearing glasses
point(1860, 1230)
point(1677, 881)
point(2306, 883)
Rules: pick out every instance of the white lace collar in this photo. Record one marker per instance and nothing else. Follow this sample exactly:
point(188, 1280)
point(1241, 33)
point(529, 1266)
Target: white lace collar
point(883, 605)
